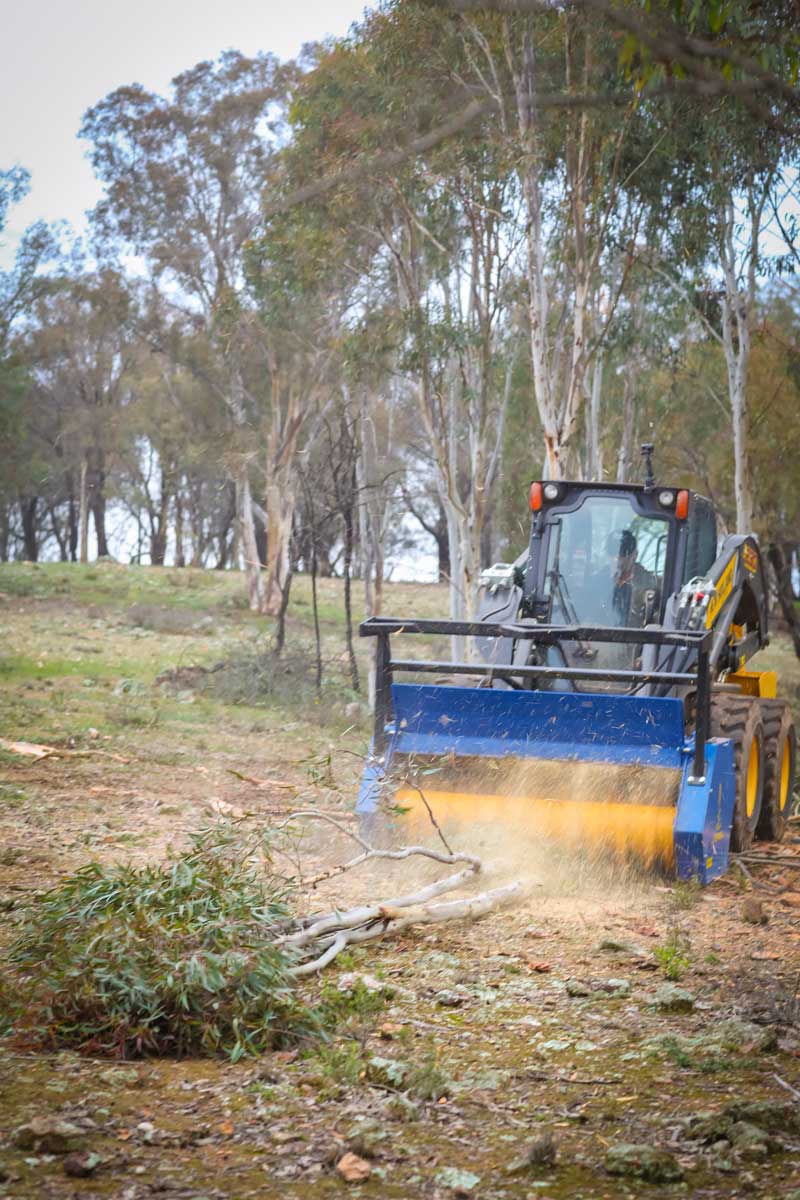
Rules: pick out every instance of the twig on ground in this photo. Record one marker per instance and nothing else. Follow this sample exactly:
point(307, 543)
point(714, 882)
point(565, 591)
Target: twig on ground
point(262, 783)
point(791, 860)
point(786, 1085)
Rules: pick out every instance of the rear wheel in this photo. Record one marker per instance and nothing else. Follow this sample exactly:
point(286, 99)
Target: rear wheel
point(780, 756)
point(739, 718)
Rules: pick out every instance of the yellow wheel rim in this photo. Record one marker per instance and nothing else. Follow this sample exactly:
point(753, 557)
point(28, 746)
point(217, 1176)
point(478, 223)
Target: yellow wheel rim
point(751, 794)
point(786, 768)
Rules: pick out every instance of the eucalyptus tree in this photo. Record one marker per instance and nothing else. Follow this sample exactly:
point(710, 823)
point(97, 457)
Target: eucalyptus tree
point(183, 177)
point(435, 241)
point(79, 345)
point(24, 469)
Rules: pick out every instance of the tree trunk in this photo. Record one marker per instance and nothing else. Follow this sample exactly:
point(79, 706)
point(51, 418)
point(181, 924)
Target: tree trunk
point(58, 534)
point(348, 605)
point(84, 512)
point(256, 592)
point(227, 517)
point(315, 610)
point(72, 518)
point(625, 455)
point(5, 530)
point(595, 448)
point(180, 553)
point(28, 508)
point(286, 421)
point(279, 499)
point(97, 504)
point(261, 542)
point(280, 622)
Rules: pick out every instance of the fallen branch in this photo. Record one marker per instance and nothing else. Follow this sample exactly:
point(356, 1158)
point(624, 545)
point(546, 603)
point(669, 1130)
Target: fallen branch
point(39, 752)
point(372, 912)
point(370, 852)
point(320, 937)
point(394, 921)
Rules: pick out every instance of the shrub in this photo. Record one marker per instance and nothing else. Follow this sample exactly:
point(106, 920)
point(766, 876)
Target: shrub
point(171, 959)
point(259, 677)
point(673, 955)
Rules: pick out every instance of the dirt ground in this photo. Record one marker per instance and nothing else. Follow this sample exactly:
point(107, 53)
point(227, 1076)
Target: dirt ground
point(540, 1032)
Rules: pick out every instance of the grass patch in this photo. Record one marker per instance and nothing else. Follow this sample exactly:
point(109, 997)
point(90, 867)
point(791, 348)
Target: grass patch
point(159, 960)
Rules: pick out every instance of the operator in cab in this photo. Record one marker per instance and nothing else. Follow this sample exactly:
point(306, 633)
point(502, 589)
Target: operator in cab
point(633, 589)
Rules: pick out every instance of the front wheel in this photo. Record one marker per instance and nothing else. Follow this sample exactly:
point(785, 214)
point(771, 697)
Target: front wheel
point(780, 757)
point(739, 718)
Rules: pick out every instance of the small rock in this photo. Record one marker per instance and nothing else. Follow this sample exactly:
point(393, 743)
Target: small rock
point(576, 988)
point(542, 1152)
point(774, 1116)
point(119, 1076)
point(352, 710)
point(146, 1129)
point(452, 997)
point(643, 1162)
point(753, 911)
point(752, 1143)
point(365, 1138)
point(616, 987)
point(460, 1182)
point(612, 945)
point(49, 1135)
point(353, 1169)
point(674, 999)
point(745, 1125)
point(350, 980)
point(82, 1164)
point(388, 1072)
point(402, 1109)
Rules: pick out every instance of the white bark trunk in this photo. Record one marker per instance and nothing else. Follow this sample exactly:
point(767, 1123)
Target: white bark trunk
point(247, 545)
point(736, 346)
point(83, 554)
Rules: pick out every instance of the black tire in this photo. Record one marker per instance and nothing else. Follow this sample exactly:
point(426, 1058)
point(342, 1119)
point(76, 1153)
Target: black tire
point(780, 760)
point(739, 718)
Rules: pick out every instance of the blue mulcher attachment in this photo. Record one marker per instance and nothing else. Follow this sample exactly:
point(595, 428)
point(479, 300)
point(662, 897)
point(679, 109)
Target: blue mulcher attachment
point(617, 771)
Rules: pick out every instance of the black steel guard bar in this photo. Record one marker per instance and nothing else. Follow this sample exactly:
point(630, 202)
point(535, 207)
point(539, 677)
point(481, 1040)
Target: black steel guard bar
point(547, 634)
point(385, 665)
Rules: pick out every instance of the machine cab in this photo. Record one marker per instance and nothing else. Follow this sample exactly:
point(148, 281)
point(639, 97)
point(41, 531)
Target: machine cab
point(604, 554)
point(612, 555)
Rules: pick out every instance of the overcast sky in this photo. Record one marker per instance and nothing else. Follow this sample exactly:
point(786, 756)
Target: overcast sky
point(61, 56)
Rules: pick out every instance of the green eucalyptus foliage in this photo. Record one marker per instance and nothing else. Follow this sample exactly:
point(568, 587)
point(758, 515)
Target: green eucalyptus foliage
point(174, 959)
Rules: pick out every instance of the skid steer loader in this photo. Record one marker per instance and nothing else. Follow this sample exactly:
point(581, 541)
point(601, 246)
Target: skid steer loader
point(611, 704)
